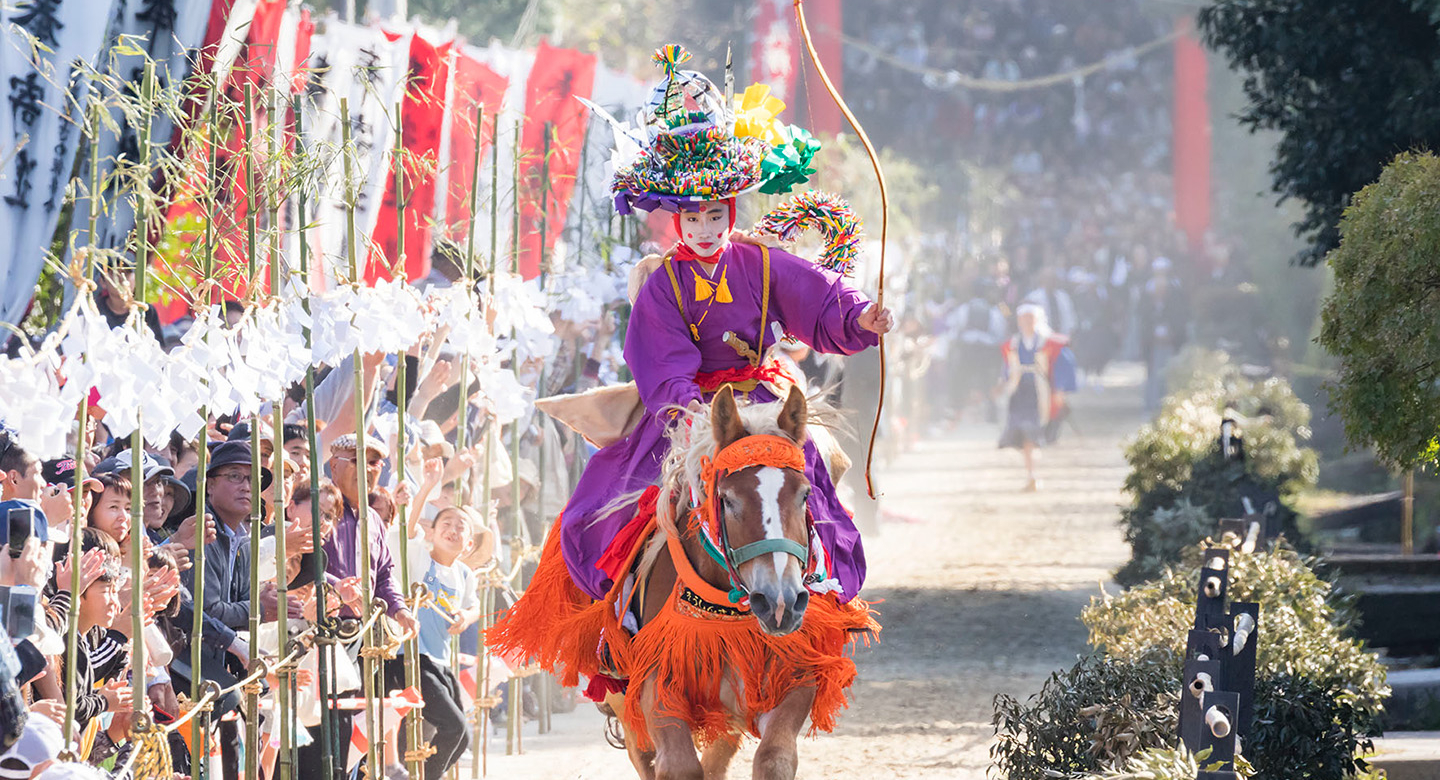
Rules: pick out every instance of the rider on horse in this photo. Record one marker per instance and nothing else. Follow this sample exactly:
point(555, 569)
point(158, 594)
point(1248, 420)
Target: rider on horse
point(705, 318)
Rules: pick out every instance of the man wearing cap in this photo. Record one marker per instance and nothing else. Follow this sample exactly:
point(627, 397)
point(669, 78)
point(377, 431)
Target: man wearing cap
point(227, 568)
point(343, 547)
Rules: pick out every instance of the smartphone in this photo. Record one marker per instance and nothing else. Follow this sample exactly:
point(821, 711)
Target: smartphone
point(20, 612)
point(22, 524)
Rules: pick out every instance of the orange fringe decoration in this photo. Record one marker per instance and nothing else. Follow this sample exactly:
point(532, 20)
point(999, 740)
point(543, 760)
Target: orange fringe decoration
point(691, 653)
point(554, 623)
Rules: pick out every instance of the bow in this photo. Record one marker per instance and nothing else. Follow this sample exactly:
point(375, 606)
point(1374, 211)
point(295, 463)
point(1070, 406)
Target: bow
point(884, 219)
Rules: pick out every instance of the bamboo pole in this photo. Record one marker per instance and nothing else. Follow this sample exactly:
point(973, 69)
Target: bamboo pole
point(311, 438)
point(413, 722)
point(362, 508)
point(140, 705)
point(482, 658)
point(542, 693)
point(199, 727)
point(512, 723)
point(283, 768)
point(462, 413)
point(252, 695)
point(77, 496)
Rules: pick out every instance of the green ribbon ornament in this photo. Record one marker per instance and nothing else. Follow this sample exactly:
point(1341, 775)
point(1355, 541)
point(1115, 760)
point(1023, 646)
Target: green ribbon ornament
point(788, 164)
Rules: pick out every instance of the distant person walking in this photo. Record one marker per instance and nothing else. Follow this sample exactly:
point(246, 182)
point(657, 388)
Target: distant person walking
point(1038, 371)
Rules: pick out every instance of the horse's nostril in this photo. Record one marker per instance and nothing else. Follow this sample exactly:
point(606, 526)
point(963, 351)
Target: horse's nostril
point(802, 599)
point(760, 604)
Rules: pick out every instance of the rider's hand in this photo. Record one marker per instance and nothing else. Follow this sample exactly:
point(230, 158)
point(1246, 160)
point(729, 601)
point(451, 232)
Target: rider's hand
point(877, 320)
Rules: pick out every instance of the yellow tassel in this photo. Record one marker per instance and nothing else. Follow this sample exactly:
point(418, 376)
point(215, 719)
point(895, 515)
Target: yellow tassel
point(723, 295)
point(703, 289)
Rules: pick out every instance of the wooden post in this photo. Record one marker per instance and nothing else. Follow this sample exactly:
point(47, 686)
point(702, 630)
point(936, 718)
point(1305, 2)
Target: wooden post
point(1407, 515)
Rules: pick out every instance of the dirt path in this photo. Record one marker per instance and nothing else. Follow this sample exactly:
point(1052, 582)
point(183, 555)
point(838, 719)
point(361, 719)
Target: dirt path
point(981, 586)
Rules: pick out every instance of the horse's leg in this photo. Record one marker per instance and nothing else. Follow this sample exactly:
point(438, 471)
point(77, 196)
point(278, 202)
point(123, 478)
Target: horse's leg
point(675, 757)
point(717, 756)
point(644, 760)
point(776, 758)
point(618, 733)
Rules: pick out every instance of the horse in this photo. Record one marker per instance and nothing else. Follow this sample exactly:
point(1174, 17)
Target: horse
point(722, 625)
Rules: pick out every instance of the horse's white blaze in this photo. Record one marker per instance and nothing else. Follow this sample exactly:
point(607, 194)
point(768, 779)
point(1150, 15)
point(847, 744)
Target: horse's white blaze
point(771, 481)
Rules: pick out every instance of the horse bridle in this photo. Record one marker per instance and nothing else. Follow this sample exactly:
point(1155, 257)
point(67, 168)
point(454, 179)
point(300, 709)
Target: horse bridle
point(748, 452)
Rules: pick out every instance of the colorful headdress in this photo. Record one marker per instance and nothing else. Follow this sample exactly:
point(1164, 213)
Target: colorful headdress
point(701, 145)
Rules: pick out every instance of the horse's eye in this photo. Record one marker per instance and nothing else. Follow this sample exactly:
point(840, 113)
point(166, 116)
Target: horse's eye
point(728, 505)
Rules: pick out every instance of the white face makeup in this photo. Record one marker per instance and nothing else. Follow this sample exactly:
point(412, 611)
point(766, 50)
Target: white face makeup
point(706, 231)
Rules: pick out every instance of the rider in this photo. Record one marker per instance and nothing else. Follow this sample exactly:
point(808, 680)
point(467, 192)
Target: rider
point(706, 316)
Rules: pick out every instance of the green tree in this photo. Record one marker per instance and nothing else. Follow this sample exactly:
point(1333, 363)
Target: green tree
point(1380, 320)
point(1345, 82)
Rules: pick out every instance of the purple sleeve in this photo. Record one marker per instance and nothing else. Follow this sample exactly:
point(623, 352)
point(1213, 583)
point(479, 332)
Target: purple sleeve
point(817, 307)
point(658, 348)
point(386, 588)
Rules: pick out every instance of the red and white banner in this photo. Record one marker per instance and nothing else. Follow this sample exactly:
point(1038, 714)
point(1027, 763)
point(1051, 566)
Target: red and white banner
point(473, 85)
point(1192, 137)
point(422, 120)
point(775, 48)
point(40, 128)
point(551, 109)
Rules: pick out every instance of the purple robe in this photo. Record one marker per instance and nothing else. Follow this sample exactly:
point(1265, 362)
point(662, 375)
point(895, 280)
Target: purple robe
point(812, 305)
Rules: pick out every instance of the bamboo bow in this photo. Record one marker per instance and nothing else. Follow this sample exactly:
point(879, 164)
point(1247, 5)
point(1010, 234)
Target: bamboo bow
point(884, 220)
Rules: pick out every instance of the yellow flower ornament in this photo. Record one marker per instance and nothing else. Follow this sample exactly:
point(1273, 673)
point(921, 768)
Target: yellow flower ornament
point(755, 114)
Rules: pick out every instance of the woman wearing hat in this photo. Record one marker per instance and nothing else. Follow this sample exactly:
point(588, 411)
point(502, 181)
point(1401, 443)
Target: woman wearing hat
point(714, 305)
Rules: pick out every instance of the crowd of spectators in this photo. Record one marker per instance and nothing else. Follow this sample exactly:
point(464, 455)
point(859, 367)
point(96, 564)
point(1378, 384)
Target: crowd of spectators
point(454, 542)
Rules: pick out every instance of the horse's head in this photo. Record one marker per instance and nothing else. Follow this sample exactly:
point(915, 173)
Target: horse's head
point(759, 499)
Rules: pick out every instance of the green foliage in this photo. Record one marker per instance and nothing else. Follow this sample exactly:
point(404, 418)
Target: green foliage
point(1090, 718)
point(1158, 538)
point(1178, 475)
point(1340, 81)
point(1175, 763)
point(1305, 729)
point(1303, 631)
point(1380, 318)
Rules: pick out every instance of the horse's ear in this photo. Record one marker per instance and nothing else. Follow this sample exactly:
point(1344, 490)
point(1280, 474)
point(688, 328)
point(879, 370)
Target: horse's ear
point(725, 418)
point(792, 415)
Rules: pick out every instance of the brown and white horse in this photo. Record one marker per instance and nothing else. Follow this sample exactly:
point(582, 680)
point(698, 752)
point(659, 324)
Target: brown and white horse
point(722, 624)
point(732, 513)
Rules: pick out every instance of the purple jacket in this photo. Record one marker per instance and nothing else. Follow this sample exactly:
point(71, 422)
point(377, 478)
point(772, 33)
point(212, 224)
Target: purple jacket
point(813, 305)
point(342, 560)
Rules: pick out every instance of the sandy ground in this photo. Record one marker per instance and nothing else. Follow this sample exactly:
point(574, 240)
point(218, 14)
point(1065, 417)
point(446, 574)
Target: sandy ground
point(981, 586)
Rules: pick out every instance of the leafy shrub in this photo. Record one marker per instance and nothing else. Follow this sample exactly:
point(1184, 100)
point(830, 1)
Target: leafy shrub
point(1157, 539)
point(1302, 631)
point(1090, 718)
point(1305, 729)
point(1116, 719)
point(1177, 459)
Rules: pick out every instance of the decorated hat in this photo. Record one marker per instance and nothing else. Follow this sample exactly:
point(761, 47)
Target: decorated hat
point(697, 144)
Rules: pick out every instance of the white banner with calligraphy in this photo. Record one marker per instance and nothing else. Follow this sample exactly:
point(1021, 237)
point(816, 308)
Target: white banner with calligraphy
point(48, 46)
point(171, 33)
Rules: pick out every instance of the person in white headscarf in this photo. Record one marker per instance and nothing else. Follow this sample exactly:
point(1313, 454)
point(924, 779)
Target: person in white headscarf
point(1038, 371)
